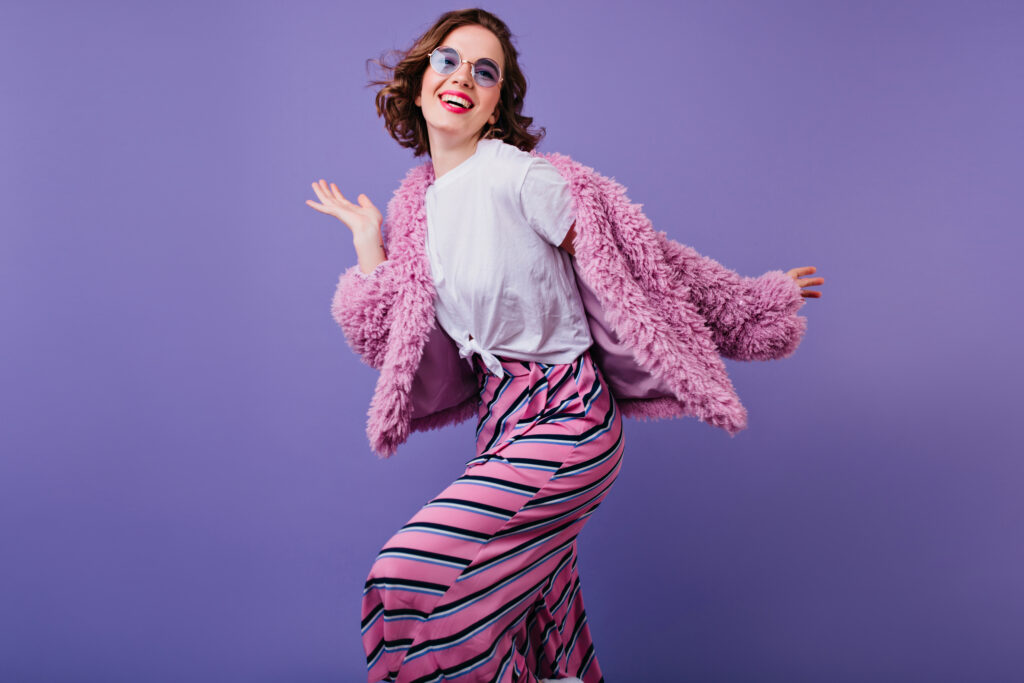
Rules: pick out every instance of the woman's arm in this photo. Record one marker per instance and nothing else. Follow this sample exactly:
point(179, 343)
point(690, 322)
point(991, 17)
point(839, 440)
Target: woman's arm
point(570, 236)
point(751, 318)
point(363, 219)
point(363, 308)
point(364, 295)
point(369, 251)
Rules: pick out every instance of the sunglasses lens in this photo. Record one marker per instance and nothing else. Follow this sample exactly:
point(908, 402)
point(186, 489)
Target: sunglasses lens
point(486, 73)
point(445, 60)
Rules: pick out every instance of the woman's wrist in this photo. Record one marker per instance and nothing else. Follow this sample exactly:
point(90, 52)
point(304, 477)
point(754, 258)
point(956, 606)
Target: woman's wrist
point(367, 236)
point(369, 250)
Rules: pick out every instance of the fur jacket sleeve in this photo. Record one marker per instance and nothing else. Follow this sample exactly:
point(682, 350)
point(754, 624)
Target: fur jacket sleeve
point(751, 318)
point(362, 307)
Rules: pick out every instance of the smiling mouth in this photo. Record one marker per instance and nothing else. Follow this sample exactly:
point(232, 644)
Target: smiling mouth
point(455, 102)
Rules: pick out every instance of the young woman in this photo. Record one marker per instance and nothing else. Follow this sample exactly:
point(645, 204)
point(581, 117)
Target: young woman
point(527, 291)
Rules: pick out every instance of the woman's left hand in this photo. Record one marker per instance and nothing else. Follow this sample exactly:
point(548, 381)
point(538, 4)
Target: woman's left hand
point(795, 273)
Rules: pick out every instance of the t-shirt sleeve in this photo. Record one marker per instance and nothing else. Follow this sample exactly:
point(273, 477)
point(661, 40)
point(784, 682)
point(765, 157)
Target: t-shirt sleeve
point(547, 201)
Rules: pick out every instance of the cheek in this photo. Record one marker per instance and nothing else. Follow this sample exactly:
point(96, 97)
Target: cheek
point(428, 86)
point(491, 103)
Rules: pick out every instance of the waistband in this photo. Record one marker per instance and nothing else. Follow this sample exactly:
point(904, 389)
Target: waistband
point(518, 368)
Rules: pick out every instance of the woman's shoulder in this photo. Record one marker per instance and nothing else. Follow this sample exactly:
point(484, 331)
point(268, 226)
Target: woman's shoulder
point(500, 149)
point(502, 167)
point(520, 162)
point(499, 153)
point(567, 166)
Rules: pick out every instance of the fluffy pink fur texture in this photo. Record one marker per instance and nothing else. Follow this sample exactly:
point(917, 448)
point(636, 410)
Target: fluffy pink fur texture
point(678, 312)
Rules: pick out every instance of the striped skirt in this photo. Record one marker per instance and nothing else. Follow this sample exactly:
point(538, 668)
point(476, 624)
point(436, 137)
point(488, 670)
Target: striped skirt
point(481, 584)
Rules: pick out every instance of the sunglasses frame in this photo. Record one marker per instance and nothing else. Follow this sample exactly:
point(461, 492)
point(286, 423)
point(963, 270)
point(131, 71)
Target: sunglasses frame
point(472, 65)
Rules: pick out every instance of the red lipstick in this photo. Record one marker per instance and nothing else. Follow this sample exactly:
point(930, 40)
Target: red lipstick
point(455, 108)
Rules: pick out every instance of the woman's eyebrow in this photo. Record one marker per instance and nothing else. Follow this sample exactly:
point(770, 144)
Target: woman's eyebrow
point(468, 57)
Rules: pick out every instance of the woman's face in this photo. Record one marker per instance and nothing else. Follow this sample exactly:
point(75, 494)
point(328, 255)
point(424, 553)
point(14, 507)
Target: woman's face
point(448, 123)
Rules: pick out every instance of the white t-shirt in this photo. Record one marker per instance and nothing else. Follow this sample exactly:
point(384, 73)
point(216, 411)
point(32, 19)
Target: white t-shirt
point(504, 288)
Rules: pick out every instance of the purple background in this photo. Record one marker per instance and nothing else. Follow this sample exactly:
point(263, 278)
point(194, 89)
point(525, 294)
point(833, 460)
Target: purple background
point(187, 491)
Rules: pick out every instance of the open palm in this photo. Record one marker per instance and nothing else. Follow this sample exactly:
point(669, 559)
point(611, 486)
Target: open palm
point(362, 218)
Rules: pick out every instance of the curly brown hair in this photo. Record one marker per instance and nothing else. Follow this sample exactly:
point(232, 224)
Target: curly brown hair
point(404, 77)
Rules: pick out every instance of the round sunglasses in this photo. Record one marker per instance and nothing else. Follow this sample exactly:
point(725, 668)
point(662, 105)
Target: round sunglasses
point(447, 60)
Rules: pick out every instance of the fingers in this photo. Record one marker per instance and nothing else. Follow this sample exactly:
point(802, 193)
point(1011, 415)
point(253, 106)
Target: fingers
point(372, 210)
point(334, 192)
point(337, 193)
point(802, 282)
point(795, 273)
point(808, 282)
point(330, 192)
point(335, 204)
point(320, 193)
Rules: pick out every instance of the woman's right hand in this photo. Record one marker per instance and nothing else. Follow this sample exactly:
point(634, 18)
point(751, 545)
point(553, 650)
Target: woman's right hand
point(363, 219)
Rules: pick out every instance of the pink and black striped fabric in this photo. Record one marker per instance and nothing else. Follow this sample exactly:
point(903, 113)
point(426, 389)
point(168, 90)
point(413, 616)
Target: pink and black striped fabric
point(482, 584)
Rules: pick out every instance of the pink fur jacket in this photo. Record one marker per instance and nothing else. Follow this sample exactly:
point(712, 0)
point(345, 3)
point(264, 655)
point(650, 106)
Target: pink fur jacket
point(661, 315)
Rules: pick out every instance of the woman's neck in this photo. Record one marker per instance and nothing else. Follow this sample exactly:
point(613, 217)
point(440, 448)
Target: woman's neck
point(446, 156)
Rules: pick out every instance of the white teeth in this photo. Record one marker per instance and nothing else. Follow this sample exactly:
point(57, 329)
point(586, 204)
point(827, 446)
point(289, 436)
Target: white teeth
point(456, 100)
